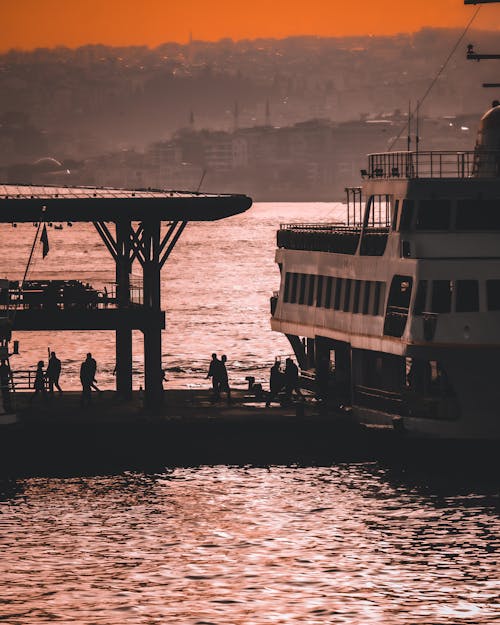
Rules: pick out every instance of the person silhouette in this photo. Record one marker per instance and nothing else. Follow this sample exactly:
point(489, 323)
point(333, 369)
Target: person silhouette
point(275, 382)
point(53, 372)
point(214, 373)
point(39, 384)
point(87, 378)
point(223, 379)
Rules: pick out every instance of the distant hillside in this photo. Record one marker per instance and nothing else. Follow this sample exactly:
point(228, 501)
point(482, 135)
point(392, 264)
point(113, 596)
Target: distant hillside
point(95, 98)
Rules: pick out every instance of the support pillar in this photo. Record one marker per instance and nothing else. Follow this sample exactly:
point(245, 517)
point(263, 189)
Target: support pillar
point(153, 374)
point(123, 333)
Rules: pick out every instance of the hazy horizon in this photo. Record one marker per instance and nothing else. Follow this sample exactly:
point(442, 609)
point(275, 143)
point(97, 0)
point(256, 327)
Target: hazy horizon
point(31, 25)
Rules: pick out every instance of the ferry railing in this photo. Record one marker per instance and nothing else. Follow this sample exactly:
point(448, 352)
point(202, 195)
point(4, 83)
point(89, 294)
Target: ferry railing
point(319, 237)
point(433, 164)
point(24, 379)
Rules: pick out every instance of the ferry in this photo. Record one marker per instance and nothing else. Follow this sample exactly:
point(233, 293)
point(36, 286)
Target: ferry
point(395, 314)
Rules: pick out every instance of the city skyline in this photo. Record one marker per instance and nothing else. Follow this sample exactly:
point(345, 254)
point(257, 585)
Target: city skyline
point(122, 23)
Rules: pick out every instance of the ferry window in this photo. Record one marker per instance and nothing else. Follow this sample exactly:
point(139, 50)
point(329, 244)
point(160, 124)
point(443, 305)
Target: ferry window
point(376, 297)
point(441, 296)
point(467, 296)
point(293, 292)
point(357, 293)
point(338, 293)
point(420, 298)
point(328, 292)
point(493, 294)
point(286, 293)
point(406, 215)
point(478, 215)
point(310, 293)
point(347, 295)
point(302, 288)
point(366, 298)
point(433, 215)
point(395, 211)
point(319, 292)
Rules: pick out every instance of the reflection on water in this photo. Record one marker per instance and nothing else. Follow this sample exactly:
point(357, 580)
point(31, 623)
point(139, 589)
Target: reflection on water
point(346, 544)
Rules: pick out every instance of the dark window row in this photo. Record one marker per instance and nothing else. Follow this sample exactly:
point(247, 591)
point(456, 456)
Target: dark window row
point(357, 296)
point(440, 295)
point(438, 214)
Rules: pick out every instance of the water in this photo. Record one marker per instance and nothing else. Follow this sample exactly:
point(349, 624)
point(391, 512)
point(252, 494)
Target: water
point(225, 545)
point(216, 287)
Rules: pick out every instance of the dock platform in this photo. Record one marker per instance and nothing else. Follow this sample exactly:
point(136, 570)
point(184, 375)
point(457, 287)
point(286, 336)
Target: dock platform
point(111, 436)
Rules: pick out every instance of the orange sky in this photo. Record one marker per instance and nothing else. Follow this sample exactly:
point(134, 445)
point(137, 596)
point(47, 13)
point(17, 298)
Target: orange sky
point(33, 23)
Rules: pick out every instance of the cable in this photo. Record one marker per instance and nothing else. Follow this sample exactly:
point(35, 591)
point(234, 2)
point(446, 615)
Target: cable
point(441, 70)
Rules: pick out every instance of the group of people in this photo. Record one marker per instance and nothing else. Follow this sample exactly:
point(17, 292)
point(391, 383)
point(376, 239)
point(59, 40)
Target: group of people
point(50, 378)
point(287, 380)
point(220, 381)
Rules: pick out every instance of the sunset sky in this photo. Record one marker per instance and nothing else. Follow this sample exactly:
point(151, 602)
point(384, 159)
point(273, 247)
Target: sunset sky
point(28, 24)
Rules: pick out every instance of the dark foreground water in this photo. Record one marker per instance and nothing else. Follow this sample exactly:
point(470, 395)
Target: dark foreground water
point(352, 544)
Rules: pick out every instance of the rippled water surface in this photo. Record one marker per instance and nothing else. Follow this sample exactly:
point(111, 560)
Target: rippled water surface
point(224, 545)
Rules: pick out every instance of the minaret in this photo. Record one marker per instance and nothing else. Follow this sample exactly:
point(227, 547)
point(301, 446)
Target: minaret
point(191, 120)
point(236, 115)
point(268, 113)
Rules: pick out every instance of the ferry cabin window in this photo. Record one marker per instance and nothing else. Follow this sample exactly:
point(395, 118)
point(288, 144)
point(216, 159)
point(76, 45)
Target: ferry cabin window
point(478, 215)
point(467, 298)
point(347, 295)
point(286, 293)
point(357, 293)
point(377, 297)
point(420, 298)
point(338, 293)
point(328, 292)
point(319, 292)
point(441, 296)
point(433, 215)
point(366, 298)
point(395, 211)
point(406, 215)
point(302, 288)
point(310, 293)
point(293, 292)
point(493, 294)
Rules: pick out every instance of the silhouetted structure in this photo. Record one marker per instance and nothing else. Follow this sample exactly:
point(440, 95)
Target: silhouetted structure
point(137, 217)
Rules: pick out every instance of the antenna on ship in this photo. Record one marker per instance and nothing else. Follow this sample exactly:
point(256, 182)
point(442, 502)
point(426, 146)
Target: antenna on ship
point(417, 137)
point(408, 134)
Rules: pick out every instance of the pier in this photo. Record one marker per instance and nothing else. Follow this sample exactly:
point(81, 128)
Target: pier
point(129, 222)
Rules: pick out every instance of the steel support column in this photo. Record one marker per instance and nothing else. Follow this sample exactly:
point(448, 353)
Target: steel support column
point(123, 333)
point(153, 374)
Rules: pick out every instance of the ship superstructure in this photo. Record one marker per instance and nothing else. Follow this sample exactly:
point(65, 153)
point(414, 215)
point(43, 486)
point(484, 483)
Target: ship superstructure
point(396, 313)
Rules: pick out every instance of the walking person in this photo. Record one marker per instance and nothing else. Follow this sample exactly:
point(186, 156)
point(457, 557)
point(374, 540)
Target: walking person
point(39, 384)
point(5, 379)
point(223, 379)
point(275, 382)
point(92, 367)
point(214, 373)
point(292, 379)
point(87, 373)
point(53, 372)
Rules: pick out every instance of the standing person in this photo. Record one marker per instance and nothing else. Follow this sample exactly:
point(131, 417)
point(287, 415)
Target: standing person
point(86, 378)
point(291, 378)
point(5, 378)
point(275, 382)
point(39, 385)
point(214, 373)
point(92, 367)
point(53, 372)
point(223, 379)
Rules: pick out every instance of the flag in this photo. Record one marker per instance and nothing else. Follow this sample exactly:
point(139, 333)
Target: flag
point(45, 241)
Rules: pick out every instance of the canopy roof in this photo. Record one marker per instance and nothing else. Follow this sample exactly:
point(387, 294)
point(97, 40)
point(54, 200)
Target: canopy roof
point(25, 203)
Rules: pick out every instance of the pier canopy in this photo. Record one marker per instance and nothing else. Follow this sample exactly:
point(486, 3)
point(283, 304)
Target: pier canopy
point(25, 203)
point(134, 236)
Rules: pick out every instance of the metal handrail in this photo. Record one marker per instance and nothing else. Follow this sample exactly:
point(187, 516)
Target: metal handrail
point(433, 164)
